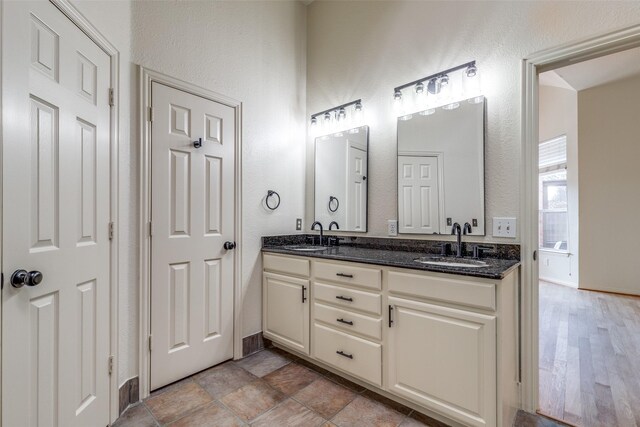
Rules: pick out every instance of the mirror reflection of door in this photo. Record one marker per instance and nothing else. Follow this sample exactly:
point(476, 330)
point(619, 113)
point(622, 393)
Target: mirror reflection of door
point(341, 180)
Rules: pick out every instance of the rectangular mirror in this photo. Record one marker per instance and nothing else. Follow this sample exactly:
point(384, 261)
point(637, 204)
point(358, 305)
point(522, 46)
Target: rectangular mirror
point(341, 179)
point(441, 169)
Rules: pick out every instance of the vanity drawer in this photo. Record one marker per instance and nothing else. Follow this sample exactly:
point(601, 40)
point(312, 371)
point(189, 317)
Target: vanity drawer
point(350, 298)
point(349, 274)
point(454, 290)
point(353, 355)
point(349, 321)
point(287, 265)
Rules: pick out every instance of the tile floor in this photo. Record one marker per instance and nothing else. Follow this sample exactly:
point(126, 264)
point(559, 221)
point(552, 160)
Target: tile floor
point(269, 388)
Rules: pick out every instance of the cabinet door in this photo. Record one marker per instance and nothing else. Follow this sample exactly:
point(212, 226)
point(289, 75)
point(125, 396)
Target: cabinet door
point(286, 311)
point(444, 359)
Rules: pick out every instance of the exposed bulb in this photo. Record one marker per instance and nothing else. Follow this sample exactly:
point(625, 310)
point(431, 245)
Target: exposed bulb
point(397, 95)
point(444, 80)
point(314, 121)
point(420, 88)
point(472, 70)
point(342, 114)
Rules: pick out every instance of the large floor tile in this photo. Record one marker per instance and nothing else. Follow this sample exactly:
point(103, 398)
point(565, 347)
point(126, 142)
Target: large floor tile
point(291, 378)
point(263, 363)
point(291, 414)
point(404, 410)
point(325, 397)
point(213, 415)
point(252, 400)
point(136, 416)
point(177, 402)
point(223, 379)
point(363, 412)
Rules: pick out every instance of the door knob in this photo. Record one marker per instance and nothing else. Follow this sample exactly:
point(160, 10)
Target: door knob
point(229, 245)
point(19, 278)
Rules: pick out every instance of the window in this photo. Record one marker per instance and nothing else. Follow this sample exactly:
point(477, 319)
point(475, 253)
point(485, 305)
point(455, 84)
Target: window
point(553, 197)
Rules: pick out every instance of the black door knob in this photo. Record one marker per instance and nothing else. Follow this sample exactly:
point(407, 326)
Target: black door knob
point(229, 245)
point(20, 278)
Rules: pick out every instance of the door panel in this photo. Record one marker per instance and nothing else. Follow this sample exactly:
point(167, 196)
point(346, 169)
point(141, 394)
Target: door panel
point(56, 191)
point(286, 310)
point(193, 215)
point(419, 192)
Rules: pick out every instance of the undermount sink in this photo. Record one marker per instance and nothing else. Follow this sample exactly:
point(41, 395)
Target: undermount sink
point(306, 248)
point(452, 262)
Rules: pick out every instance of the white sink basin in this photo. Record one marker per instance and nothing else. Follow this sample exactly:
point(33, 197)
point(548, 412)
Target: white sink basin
point(306, 248)
point(452, 262)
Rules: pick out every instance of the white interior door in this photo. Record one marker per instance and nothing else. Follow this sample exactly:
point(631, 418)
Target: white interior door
point(357, 189)
point(56, 119)
point(193, 216)
point(419, 195)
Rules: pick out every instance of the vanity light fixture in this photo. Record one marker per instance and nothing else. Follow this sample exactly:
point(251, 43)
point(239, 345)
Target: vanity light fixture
point(449, 87)
point(339, 114)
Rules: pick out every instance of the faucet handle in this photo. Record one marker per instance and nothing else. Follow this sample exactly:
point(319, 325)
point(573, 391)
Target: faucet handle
point(445, 248)
point(479, 250)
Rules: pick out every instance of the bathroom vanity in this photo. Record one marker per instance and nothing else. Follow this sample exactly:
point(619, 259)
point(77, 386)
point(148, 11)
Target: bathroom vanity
point(441, 339)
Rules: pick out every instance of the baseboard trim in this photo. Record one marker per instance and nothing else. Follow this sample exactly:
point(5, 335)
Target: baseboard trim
point(252, 344)
point(129, 393)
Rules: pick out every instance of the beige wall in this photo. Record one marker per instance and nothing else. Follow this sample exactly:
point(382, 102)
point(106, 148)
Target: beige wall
point(558, 115)
point(362, 49)
point(609, 155)
point(253, 51)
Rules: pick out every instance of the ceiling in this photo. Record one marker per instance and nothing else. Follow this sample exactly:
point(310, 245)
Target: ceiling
point(594, 72)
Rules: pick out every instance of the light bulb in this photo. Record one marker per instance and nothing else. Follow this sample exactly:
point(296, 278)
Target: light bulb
point(420, 87)
point(314, 121)
point(471, 82)
point(342, 114)
point(358, 115)
point(397, 102)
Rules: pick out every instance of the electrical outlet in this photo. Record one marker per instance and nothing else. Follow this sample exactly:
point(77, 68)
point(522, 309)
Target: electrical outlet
point(392, 227)
point(298, 224)
point(504, 227)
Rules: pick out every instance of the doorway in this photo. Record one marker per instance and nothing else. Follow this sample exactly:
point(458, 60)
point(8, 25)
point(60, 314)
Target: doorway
point(59, 156)
point(191, 217)
point(580, 173)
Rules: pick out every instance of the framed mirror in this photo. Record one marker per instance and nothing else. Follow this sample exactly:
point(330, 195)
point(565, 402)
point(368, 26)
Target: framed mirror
point(441, 169)
point(341, 161)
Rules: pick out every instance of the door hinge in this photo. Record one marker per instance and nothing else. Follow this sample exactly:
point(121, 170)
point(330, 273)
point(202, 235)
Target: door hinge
point(110, 365)
point(112, 100)
point(111, 230)
point(150, 114)
point(149, 342)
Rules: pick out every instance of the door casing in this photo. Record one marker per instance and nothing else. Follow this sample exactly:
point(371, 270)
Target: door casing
point(146, 77)
point(87, 28)
point(533, 65)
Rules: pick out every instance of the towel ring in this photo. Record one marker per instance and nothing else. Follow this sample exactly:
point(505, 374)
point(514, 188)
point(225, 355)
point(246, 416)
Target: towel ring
point(337, 204)
point(269, 194)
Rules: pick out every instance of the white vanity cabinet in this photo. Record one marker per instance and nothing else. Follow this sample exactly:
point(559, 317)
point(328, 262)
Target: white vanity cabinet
point(451, 368)
point(285, 297)
point(443, 344)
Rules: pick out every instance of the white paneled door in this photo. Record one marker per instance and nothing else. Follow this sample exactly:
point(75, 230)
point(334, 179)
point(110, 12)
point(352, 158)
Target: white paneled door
point(192, 210)
point(357, 189)
point(419, 194)
point(56, 147)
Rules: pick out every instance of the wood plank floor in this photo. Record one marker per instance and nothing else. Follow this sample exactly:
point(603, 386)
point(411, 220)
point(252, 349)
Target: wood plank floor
point(589, 357)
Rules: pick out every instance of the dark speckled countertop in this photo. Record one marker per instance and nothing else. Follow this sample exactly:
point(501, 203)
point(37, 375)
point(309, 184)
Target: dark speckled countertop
point(497, 268)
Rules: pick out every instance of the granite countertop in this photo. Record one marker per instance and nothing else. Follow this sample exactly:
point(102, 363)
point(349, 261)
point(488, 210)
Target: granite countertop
point(496, 269)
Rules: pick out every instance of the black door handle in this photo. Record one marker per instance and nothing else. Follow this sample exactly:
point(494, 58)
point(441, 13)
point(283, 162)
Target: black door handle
point(229, 245)
point(304, 294)
point(198, 143)
point(348, 276)
point(344, 298)
point(20, 278)
point(346, 322)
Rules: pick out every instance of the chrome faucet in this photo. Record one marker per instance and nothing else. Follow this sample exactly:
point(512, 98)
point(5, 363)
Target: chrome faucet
point(332, 223)
point(313, 227)
point(458, 232)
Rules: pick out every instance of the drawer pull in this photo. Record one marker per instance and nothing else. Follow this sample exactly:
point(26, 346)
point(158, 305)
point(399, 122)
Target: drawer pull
point(390, 315)
point(344, 298)
point(343, 354)
point(346, 322)
point(304, 294)
point(349, 276)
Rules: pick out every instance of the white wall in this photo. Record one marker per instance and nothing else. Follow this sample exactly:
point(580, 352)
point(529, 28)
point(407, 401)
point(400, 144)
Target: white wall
point(362, 49)
point(558, 115)
point(254, 51)
point(608, 156)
